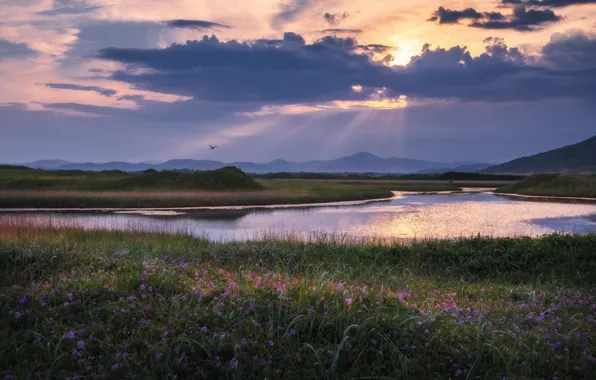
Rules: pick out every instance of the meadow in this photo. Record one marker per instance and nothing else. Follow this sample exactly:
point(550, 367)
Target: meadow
point(555, 185)
point(90, 304)
point(31, 188)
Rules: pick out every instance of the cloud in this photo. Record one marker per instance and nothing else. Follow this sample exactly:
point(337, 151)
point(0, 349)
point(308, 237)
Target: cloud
point(195, 24)
point(288, 71)
point(548, 3)
point(522, 18)
point(14, 50)
point(95, 35)
point(335, 18)
point(340, 30)
point(289, 11)
point(448, 16)
point(66, 86)
point(70, 7)
point(570, 50)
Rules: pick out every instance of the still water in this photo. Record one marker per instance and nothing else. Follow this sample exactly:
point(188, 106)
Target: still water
point(406, 216)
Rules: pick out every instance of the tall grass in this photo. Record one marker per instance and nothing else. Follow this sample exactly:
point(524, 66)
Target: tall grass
point(90, 304)
point(556, 185)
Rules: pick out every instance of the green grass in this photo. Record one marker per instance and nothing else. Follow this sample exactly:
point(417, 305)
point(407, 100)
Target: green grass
point(111, 304)
point(560, 185)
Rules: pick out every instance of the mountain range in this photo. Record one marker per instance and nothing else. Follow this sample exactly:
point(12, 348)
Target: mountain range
point(576, 158)
point(358, 163)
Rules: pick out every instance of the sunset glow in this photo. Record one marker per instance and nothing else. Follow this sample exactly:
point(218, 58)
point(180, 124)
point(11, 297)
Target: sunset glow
point(197, 69)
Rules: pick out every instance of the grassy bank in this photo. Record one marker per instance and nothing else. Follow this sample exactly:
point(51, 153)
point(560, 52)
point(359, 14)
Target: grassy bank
point(272, 192)
point(99, 304)
point(32, 188)
point(556, 185)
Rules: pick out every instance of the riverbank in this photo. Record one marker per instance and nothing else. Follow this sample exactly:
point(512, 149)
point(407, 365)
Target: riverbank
point(274, 192)
point(554, 186)
point(99, 303)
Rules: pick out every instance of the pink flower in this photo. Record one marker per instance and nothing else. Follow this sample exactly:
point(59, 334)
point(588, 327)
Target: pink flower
point(348, 301)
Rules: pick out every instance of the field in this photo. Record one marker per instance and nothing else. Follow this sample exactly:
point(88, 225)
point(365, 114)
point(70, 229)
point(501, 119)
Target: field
point(93, 304)
point(555, 185)
point(30, 188)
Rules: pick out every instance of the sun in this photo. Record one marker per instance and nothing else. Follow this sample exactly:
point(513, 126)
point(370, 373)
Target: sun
point(406, 49)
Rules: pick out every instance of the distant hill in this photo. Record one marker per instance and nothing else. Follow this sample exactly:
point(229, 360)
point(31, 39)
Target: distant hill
point(577, 158)
point(362, 162)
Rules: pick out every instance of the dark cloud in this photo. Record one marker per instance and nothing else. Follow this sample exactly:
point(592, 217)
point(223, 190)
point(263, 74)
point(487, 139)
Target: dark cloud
point(548, 3)
point(572, 50)
point(14, 50)
point(448, 16)
point(522, 18)
point(195, 24)
point(341, 30)
point(67, 86)
point(286, 72)
point(335, 18)
point(70, 7)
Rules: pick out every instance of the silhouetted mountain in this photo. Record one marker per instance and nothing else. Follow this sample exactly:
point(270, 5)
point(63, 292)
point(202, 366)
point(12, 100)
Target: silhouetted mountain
point(362, 162)
point(577, 158)
point(46, 164)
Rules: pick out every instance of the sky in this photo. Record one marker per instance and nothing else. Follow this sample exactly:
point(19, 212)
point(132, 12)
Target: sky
point(152, 80)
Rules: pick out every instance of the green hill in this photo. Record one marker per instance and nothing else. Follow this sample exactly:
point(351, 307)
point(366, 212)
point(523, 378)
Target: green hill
point(577, 158)
point(228, 178)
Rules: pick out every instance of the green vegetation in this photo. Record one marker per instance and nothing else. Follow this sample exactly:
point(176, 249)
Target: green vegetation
point(449, 176)
point(577, 158)
point(559, 185)
point(31, 188)
point(109, 304)
point(229, 178)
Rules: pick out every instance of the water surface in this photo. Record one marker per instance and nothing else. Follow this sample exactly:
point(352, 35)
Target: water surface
point(404, 217)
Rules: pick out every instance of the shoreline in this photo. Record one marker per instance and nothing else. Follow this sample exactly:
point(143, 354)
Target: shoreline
point(198, 208)
point(396, 194)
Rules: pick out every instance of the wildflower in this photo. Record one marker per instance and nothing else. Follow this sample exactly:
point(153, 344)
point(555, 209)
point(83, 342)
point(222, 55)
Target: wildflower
point(143, 321)
point(426, 331)
point(24, 300)
point(69, 335)
point(204, 330)
point(311, 310)
point(66, 304)
point(330, 353)
point(17, 315)
point(114, 367)
point(158, 356)
point(81, 344)
point(271, 343)
point(233, 363)
point(458, 373)
point(373, 341)
point(243, 341)
point(70, 296)
point(348, 302)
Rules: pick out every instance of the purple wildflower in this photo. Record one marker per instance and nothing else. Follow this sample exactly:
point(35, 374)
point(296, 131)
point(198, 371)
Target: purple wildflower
point(158, 356)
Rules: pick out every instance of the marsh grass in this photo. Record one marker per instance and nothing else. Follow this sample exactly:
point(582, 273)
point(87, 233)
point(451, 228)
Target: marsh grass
point(90, 304)
point(556, 185)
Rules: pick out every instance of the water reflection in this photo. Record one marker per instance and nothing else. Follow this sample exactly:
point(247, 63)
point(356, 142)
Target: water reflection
point(406, 216)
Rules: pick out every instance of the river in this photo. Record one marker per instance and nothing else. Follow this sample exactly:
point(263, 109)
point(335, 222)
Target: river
point(406, 216)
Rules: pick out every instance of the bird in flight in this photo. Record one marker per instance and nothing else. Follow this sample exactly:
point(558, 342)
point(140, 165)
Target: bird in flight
point(213, 146)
